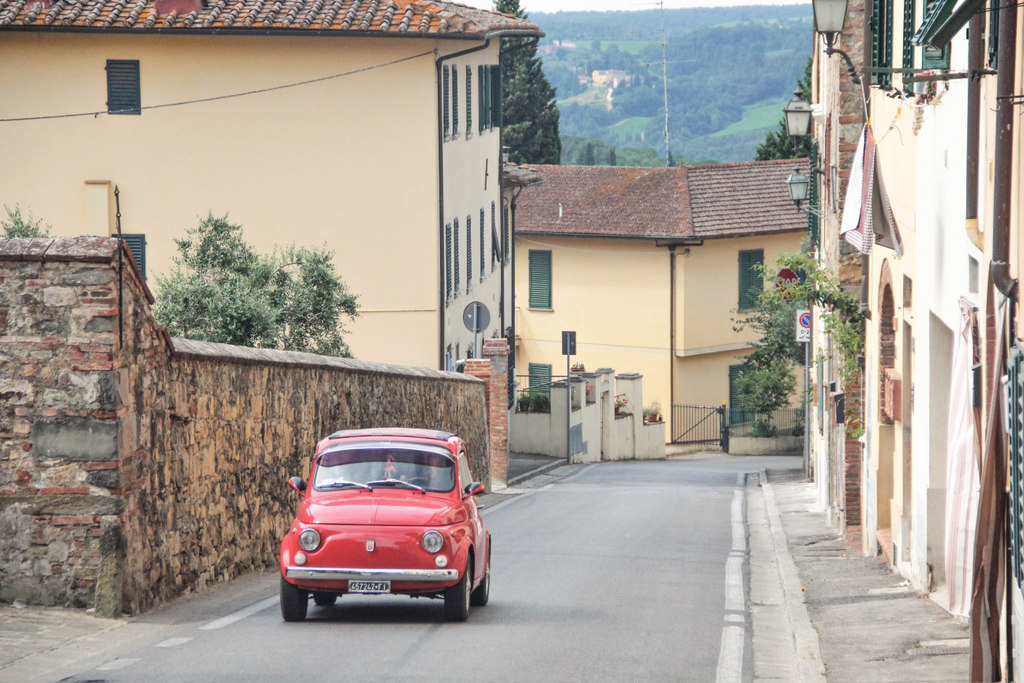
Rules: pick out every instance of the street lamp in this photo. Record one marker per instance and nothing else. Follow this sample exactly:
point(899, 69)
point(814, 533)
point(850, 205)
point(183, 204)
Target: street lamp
point(829, 19)
point(798, 184)
point(798, 116)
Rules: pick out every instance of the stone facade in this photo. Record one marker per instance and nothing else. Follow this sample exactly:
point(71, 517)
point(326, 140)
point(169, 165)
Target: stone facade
point(135, 467)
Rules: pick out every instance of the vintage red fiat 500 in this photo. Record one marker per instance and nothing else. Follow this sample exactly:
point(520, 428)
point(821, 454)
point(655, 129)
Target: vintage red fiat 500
point(387, 511)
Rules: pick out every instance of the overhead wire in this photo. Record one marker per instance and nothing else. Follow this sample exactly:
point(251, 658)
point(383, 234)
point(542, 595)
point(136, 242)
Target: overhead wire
point(215, 98)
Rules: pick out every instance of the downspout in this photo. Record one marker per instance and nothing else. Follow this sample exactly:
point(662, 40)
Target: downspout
point(442, 295)
point(975, 56)
point(671, 338)
point(513, 361)
point(1003, 163)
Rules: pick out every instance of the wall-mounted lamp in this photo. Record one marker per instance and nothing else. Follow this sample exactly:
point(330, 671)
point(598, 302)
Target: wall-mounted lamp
point(798, 116)
point(829, 19)
point(798, 184)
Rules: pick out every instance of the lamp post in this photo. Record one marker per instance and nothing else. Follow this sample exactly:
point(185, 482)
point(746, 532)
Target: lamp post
point(829, 19)
point(798, 184)
point(798, 116)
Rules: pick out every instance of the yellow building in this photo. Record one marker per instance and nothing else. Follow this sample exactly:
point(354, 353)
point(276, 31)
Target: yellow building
point(650, 267)
point(373, 130)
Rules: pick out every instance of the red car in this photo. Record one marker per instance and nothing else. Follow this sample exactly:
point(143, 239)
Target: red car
point(387, 511)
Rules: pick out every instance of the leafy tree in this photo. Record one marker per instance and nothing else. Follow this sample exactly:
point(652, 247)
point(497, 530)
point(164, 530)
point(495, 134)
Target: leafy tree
point(16, 225)
point(220, 289)
point(529, 112)
point(777, 143)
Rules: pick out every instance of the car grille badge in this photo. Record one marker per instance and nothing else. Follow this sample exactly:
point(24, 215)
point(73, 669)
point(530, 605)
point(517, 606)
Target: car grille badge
point(370, 545)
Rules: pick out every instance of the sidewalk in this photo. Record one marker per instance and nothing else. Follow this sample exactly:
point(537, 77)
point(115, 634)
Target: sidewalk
point(822, 612)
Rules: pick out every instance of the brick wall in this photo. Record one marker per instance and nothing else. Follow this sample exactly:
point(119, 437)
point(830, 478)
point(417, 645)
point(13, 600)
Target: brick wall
point(134, 467)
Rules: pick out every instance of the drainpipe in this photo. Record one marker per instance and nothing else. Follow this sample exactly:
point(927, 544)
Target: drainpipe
point(975, 57)
point(442, 295)
point(1003, 163)
point(671, 337)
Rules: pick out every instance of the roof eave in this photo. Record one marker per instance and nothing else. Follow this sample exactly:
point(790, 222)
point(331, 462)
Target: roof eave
point(246, 31)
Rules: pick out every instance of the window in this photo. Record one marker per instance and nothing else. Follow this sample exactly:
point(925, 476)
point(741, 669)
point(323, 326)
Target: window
point(495, 241)
point(136, 244)
point(483, 95)
point(751, 281)
point(469, 252)
point(469, 101)
point(495, 91)
point(446, 98)
point(455, 254)
point(881, 40)
point(908, 33)
point(540, 279)
point(455, 102)
point(540, 378)
point(448, 260)
point(483, 241)
point(123, 90)
point(931, 58)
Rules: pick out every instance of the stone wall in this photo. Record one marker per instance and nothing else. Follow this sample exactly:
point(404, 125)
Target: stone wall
point(134, 467)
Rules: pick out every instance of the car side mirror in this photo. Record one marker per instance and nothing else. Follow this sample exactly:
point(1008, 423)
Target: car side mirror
point(474, 488)
point(298, 483)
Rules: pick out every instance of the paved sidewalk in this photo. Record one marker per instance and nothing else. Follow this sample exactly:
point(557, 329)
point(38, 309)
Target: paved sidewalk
point(821, 611)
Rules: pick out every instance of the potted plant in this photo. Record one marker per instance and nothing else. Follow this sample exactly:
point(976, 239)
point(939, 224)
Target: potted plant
point(652, 413)
point(620, 404)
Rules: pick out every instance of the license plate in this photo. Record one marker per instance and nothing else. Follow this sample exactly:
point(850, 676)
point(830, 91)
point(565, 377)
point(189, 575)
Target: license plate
point(369, 586)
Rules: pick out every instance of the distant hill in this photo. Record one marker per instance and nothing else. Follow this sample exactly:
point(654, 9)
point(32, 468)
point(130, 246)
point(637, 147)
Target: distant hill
point(730, 72)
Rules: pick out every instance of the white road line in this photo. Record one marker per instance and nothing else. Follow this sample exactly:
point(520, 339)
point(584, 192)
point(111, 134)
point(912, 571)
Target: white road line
point(116, 664)
point(173, 642)
point(239, 615)
point(730, 654)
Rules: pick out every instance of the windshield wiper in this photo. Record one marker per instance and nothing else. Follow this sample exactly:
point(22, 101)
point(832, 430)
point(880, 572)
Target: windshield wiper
point(341, 483)
point(396, 482)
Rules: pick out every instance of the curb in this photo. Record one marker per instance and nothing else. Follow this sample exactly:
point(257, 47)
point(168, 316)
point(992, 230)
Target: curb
point(805, 637)
point(535, 472)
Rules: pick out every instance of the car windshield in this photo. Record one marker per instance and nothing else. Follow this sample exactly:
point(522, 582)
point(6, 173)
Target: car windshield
point(405, 466)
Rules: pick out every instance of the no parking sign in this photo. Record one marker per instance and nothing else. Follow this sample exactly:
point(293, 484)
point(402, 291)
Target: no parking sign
point(803, 325)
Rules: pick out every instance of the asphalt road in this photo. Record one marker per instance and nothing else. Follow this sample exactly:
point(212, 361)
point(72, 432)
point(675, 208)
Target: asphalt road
point(609, 572)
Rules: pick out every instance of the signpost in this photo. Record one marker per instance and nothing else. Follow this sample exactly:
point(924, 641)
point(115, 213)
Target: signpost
point(568, 350)
point(803, 325)
point(803, 335)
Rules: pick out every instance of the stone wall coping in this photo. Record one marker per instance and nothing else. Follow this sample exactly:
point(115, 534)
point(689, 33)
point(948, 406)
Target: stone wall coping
point(203, 350)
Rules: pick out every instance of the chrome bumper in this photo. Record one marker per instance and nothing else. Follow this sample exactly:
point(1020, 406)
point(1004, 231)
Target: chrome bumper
point(334, 574)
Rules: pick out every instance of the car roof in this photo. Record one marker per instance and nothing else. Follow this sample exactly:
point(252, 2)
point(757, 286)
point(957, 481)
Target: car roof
point(386, 433)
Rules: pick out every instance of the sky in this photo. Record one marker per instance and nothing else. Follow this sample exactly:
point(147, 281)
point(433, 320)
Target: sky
point(551, 6)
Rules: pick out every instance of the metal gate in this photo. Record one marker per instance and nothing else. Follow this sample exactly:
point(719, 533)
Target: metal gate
point(700, 425)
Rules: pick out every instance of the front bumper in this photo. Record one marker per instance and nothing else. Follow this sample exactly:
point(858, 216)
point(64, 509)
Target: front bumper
point(340, 574)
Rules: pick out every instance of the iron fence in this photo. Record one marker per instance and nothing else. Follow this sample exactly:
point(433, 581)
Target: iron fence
point(786, 421)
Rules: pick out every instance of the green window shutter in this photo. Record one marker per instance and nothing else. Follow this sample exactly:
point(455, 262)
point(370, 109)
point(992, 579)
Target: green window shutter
point(993, 34)
point(909, 7)
point(136, 244)
point(495, 241)
point(540, 378)
point(483, 241)
point(469, 252)
point(448, 260)
point(881, 40)
point(813, 199)
point(123, 89)
point(1015, 420)
point(932, 58)
point(540, 279)
point(469, 100)
point(751, 281)
point(736, 413)
point(455, 254)
point(505, 230)
point(496, 109)
point(455, 102)
point(481, 100)
point(446, 97)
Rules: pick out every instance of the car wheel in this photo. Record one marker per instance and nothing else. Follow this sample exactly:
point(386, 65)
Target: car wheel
point(324, 599)
point(456, 598)
point(482, 593)
point(294, 602)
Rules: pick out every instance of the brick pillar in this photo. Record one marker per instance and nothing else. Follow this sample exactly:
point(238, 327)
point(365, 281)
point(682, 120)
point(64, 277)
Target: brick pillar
point(496, 350)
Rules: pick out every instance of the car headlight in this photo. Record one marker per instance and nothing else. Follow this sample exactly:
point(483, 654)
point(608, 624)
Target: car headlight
point(433, 541)
point(309, 539)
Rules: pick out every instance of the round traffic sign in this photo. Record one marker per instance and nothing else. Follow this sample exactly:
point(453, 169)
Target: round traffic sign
point(786, 276)
point(805, 319)
point(476, 317)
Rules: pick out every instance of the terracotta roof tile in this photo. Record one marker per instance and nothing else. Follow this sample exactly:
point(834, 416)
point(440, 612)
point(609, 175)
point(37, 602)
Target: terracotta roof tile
point(389, 17)
point(606, 201)
point(701, 202)
point(730, 200)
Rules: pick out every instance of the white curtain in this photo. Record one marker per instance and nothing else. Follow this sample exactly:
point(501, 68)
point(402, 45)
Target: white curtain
point(963, 480)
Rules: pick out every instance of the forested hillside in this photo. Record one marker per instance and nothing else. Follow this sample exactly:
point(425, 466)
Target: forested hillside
point(730, 72)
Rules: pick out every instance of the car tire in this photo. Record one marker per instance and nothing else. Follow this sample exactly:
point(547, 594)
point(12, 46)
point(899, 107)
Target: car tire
point(456, 598)
point(324, 599)
point(294, 602)
point(482, 593)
